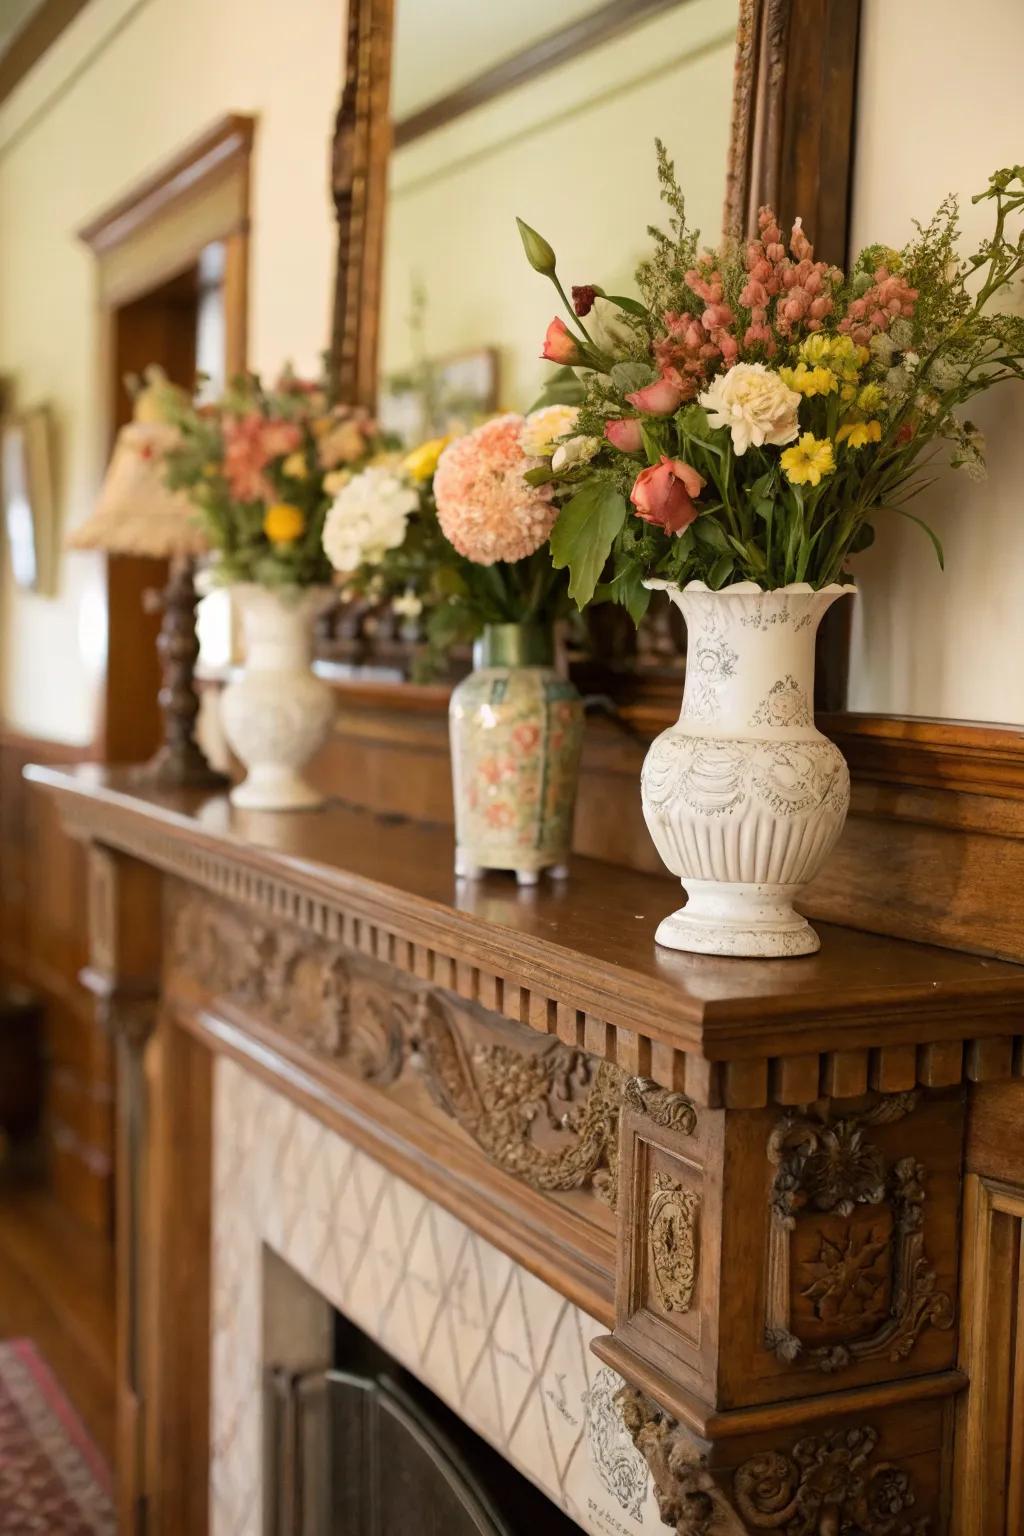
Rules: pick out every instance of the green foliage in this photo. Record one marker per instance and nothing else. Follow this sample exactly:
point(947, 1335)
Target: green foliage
point(582, 538)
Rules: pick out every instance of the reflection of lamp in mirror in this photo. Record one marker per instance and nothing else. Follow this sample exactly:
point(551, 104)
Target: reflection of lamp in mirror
point(137, 515)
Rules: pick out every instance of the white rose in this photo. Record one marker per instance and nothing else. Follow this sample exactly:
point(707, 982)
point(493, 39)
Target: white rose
point(578, 450)
point(407, 605)
point(753, 402)
point(543, 428)
point(368, 517)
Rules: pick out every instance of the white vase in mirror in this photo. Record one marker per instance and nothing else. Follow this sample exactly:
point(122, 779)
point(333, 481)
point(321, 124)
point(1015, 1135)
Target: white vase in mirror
point(743, 796)
point(276, 713)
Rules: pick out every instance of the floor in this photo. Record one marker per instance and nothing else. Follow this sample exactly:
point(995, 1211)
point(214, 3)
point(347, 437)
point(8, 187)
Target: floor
point(57, 1288)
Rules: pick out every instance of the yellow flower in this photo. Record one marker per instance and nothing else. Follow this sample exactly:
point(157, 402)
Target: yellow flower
point(283, 523)
point(810, 381)
point(295, 466)
point(870, 398)
point(857, 433)
point(422, 461)
point(808, 460)
point(840, 353)
point(335, 479)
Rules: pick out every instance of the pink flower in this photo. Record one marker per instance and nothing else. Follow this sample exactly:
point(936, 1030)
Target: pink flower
point(484, 506)
point(663, 494)
point(658, 399)
point(560, 345)
point(625, 435)
point(250, 442)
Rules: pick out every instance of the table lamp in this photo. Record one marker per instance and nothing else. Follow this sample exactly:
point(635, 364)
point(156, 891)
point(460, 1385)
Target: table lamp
point(136, 514)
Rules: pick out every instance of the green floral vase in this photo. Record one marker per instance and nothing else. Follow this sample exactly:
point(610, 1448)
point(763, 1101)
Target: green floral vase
point(516, 734)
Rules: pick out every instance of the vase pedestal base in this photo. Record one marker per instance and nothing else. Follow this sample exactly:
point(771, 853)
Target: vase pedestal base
point(275, 789)
point(470, 867)
point(735, 919)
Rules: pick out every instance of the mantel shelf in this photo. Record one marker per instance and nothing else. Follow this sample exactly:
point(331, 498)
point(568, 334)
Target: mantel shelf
point(577, 960)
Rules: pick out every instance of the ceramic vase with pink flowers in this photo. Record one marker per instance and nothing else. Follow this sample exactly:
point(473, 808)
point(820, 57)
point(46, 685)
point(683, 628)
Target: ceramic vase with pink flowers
point(516, 722)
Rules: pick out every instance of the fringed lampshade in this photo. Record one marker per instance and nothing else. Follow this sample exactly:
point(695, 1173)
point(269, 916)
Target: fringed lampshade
point(136, 514)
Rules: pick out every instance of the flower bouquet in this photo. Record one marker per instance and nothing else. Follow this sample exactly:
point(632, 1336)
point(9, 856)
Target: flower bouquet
point(260, 466)
point(456, 534)
point(759, 411)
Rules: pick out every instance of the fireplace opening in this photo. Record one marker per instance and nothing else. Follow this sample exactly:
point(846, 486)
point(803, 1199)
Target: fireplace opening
point(357, 1446)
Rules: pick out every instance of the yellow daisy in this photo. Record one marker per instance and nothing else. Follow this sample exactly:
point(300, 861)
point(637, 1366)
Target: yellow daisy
point(295, 466)
point(422, 461)
point(856, 433)
point(283, 523)
point(808, 460)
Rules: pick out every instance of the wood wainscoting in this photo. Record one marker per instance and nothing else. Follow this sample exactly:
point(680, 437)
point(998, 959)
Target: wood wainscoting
point(44, 945)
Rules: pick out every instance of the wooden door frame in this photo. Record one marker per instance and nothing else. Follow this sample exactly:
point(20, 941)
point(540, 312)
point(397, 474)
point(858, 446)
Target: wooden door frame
point(154, 231)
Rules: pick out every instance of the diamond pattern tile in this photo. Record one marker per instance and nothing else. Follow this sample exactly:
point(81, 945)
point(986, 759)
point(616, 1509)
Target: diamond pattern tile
point(504, 1350)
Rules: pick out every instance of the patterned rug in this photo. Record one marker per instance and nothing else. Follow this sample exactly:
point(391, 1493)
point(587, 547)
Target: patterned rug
point(52, 1479)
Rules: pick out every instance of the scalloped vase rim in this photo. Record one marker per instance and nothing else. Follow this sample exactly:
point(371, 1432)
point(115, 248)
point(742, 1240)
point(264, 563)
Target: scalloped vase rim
point(748, 588)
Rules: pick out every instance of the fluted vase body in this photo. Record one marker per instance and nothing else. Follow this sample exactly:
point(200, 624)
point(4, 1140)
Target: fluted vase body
point(743, 796)
point(276, 713)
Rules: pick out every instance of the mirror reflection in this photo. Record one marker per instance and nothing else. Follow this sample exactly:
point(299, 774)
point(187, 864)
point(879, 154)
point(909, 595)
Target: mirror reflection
point(548, 111)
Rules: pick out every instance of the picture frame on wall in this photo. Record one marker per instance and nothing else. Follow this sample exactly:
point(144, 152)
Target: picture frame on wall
point(27, 495)
point(445, 395)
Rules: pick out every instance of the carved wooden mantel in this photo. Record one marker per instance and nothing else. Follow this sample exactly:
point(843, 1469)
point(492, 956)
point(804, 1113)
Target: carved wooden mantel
point(751, 1171)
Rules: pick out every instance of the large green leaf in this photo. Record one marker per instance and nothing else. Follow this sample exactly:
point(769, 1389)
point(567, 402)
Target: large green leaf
point(561, 388)
point(582, 537)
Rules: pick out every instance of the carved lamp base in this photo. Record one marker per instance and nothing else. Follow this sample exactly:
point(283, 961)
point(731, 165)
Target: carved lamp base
point(180, 762)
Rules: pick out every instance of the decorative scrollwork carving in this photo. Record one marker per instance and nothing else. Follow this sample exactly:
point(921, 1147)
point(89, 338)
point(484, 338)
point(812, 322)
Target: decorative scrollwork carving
point(826, 1487)
point(549, 1116)
point(688, 1497)
point(672, 1237)
point(848, 1275)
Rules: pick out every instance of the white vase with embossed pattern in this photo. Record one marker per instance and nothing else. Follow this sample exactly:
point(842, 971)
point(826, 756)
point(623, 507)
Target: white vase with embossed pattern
point(743, 796)
point(277, 712)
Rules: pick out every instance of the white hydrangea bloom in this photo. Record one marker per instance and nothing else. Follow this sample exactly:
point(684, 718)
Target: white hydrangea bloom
point(369, 516)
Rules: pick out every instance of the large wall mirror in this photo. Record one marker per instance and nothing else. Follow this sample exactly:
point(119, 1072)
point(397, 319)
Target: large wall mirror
point(459, 115)
point(547, 109)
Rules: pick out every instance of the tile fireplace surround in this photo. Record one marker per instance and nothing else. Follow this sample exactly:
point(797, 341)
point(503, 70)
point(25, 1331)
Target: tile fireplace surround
point(500, 1347)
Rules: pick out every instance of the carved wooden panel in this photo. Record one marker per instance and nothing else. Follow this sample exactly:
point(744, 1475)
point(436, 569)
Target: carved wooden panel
point(990, 1429)
point(848, 1275)
point(877, 1473)
point(667, 1295)
point(846, 1215)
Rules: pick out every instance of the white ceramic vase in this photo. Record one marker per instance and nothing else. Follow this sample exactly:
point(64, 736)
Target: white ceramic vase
point(743, 797)
point(277, 713)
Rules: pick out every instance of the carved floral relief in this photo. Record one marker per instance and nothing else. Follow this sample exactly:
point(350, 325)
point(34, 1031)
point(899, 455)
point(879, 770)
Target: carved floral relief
point(542, 1111)
point(848, 1275)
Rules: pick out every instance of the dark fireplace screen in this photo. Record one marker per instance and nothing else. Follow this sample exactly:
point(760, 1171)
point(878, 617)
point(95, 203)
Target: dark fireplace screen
point(364, 1449)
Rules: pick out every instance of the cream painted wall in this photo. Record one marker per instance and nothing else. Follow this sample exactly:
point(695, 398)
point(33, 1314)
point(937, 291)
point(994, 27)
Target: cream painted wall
point(124, 89)
point(573, 154)
point(939, 108)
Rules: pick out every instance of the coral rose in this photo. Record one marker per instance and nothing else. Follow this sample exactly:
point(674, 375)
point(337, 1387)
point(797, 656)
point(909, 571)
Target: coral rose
point(664, 494)
point(625, 435)
point(484, 506)
point(560, 345)
point(658, 399)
